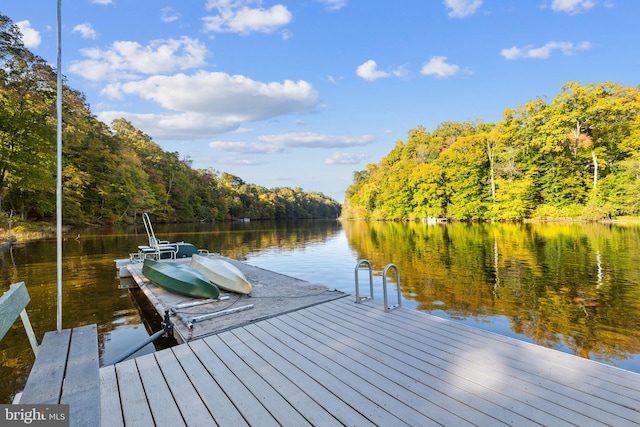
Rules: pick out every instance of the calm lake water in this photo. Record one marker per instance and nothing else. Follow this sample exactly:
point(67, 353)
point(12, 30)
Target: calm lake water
point(572, 287)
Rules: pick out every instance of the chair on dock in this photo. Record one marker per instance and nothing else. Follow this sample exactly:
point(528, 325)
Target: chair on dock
point(66, 369)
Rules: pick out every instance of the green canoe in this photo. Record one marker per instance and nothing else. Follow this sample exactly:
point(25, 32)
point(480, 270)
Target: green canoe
point(179, 279)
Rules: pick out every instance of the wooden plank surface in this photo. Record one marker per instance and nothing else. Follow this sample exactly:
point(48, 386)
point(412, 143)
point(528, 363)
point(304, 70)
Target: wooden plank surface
point(283, 412)
point(241, 397)
point(192, 408)
point(312, 412)
point(425, 405)
point(272, 294)
point(82, 379)
point(135, 407)
point(215, 399)
point(341, 363)
point(372, 339)
point(285, 364)
point(557, 380)
point(47, 374)
point(163, 406)
point(110, 408)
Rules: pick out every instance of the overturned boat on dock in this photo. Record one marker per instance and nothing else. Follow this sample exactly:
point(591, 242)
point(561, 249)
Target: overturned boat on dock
point(224, 274)
point(179, 278)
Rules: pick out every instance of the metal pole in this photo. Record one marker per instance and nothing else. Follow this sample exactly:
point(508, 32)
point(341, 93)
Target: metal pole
point(129, 352)
point(166, 330)
point(59, 168)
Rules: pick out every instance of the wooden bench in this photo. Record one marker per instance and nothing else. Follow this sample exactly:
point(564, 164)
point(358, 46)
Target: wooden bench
point(67, 365)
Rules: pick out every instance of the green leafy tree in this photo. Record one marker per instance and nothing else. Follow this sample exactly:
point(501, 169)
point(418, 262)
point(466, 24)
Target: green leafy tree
point(571, 158)
point(27, 111)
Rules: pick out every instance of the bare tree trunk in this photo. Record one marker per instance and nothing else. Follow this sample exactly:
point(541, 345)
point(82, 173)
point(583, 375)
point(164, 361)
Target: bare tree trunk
point(595, 169)
point(491, 171)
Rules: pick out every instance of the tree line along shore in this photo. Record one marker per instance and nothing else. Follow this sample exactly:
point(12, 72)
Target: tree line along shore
point(110, 174)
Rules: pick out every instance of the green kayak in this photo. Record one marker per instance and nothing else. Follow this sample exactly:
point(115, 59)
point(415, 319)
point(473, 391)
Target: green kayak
point(179, 279)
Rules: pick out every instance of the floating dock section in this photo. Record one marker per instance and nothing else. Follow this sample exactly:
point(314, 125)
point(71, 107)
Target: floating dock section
point(271, 294)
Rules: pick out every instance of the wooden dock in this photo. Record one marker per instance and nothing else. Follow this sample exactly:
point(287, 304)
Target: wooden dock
point(341, 363)
point(272, 293)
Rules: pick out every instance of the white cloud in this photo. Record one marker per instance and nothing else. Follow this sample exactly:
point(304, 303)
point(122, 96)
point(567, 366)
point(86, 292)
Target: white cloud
point(438, 66)
point(101, 1)
point(278, 143)
point(529, 52)
point(342, 158)
point(219, 93)
point(316, 140)
point(167, 14)
point(175, 125)
point(238, 162)
point(236, 16)
point(127, 59)
point(209, 103)
point(30, 37)
point(369, 71)
point(572, 6)
point(86, 30)
point(245, 147)
point(243, 130)
point(462, 8)
point(401, 72)
point(332, 5)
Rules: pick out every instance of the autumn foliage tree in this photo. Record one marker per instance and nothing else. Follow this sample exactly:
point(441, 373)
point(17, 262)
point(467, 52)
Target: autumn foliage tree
point(574, 157)
point(111, 174)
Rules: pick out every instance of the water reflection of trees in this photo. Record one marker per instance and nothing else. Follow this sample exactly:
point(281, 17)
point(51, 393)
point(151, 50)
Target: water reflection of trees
point(559, 284)
point(237, 240)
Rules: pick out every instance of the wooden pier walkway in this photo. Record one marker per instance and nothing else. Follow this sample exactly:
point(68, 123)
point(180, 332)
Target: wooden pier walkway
point(341, 363)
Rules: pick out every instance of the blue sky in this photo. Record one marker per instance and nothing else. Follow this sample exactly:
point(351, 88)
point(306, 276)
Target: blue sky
point(303, 93)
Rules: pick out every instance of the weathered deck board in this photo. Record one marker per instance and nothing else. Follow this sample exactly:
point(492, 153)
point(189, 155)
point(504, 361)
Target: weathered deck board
point(272, 293)
point(384, 374)
point(286, 364)
point(66, 371)
point(278, 406)
point(217, 402)
point(454, 376)
point(341, 363)
point(110, 407)
point(82, 381)
point(193, 410)
point(241, 397)
point(47, 373)
point(559, 373)
point(311, 411)
point(163, 406)
point(136, 409)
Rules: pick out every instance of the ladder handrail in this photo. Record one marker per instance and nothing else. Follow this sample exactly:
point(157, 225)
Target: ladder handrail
point(159, 247)
point(359, 299)
point(384, 287)
point(153, 242)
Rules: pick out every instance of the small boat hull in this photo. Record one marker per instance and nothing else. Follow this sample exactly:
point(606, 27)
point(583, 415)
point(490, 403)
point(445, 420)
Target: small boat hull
point(179, 279)
point(224, 274)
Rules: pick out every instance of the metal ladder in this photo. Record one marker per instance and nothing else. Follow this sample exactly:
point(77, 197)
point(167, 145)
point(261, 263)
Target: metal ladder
point(359, 298)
